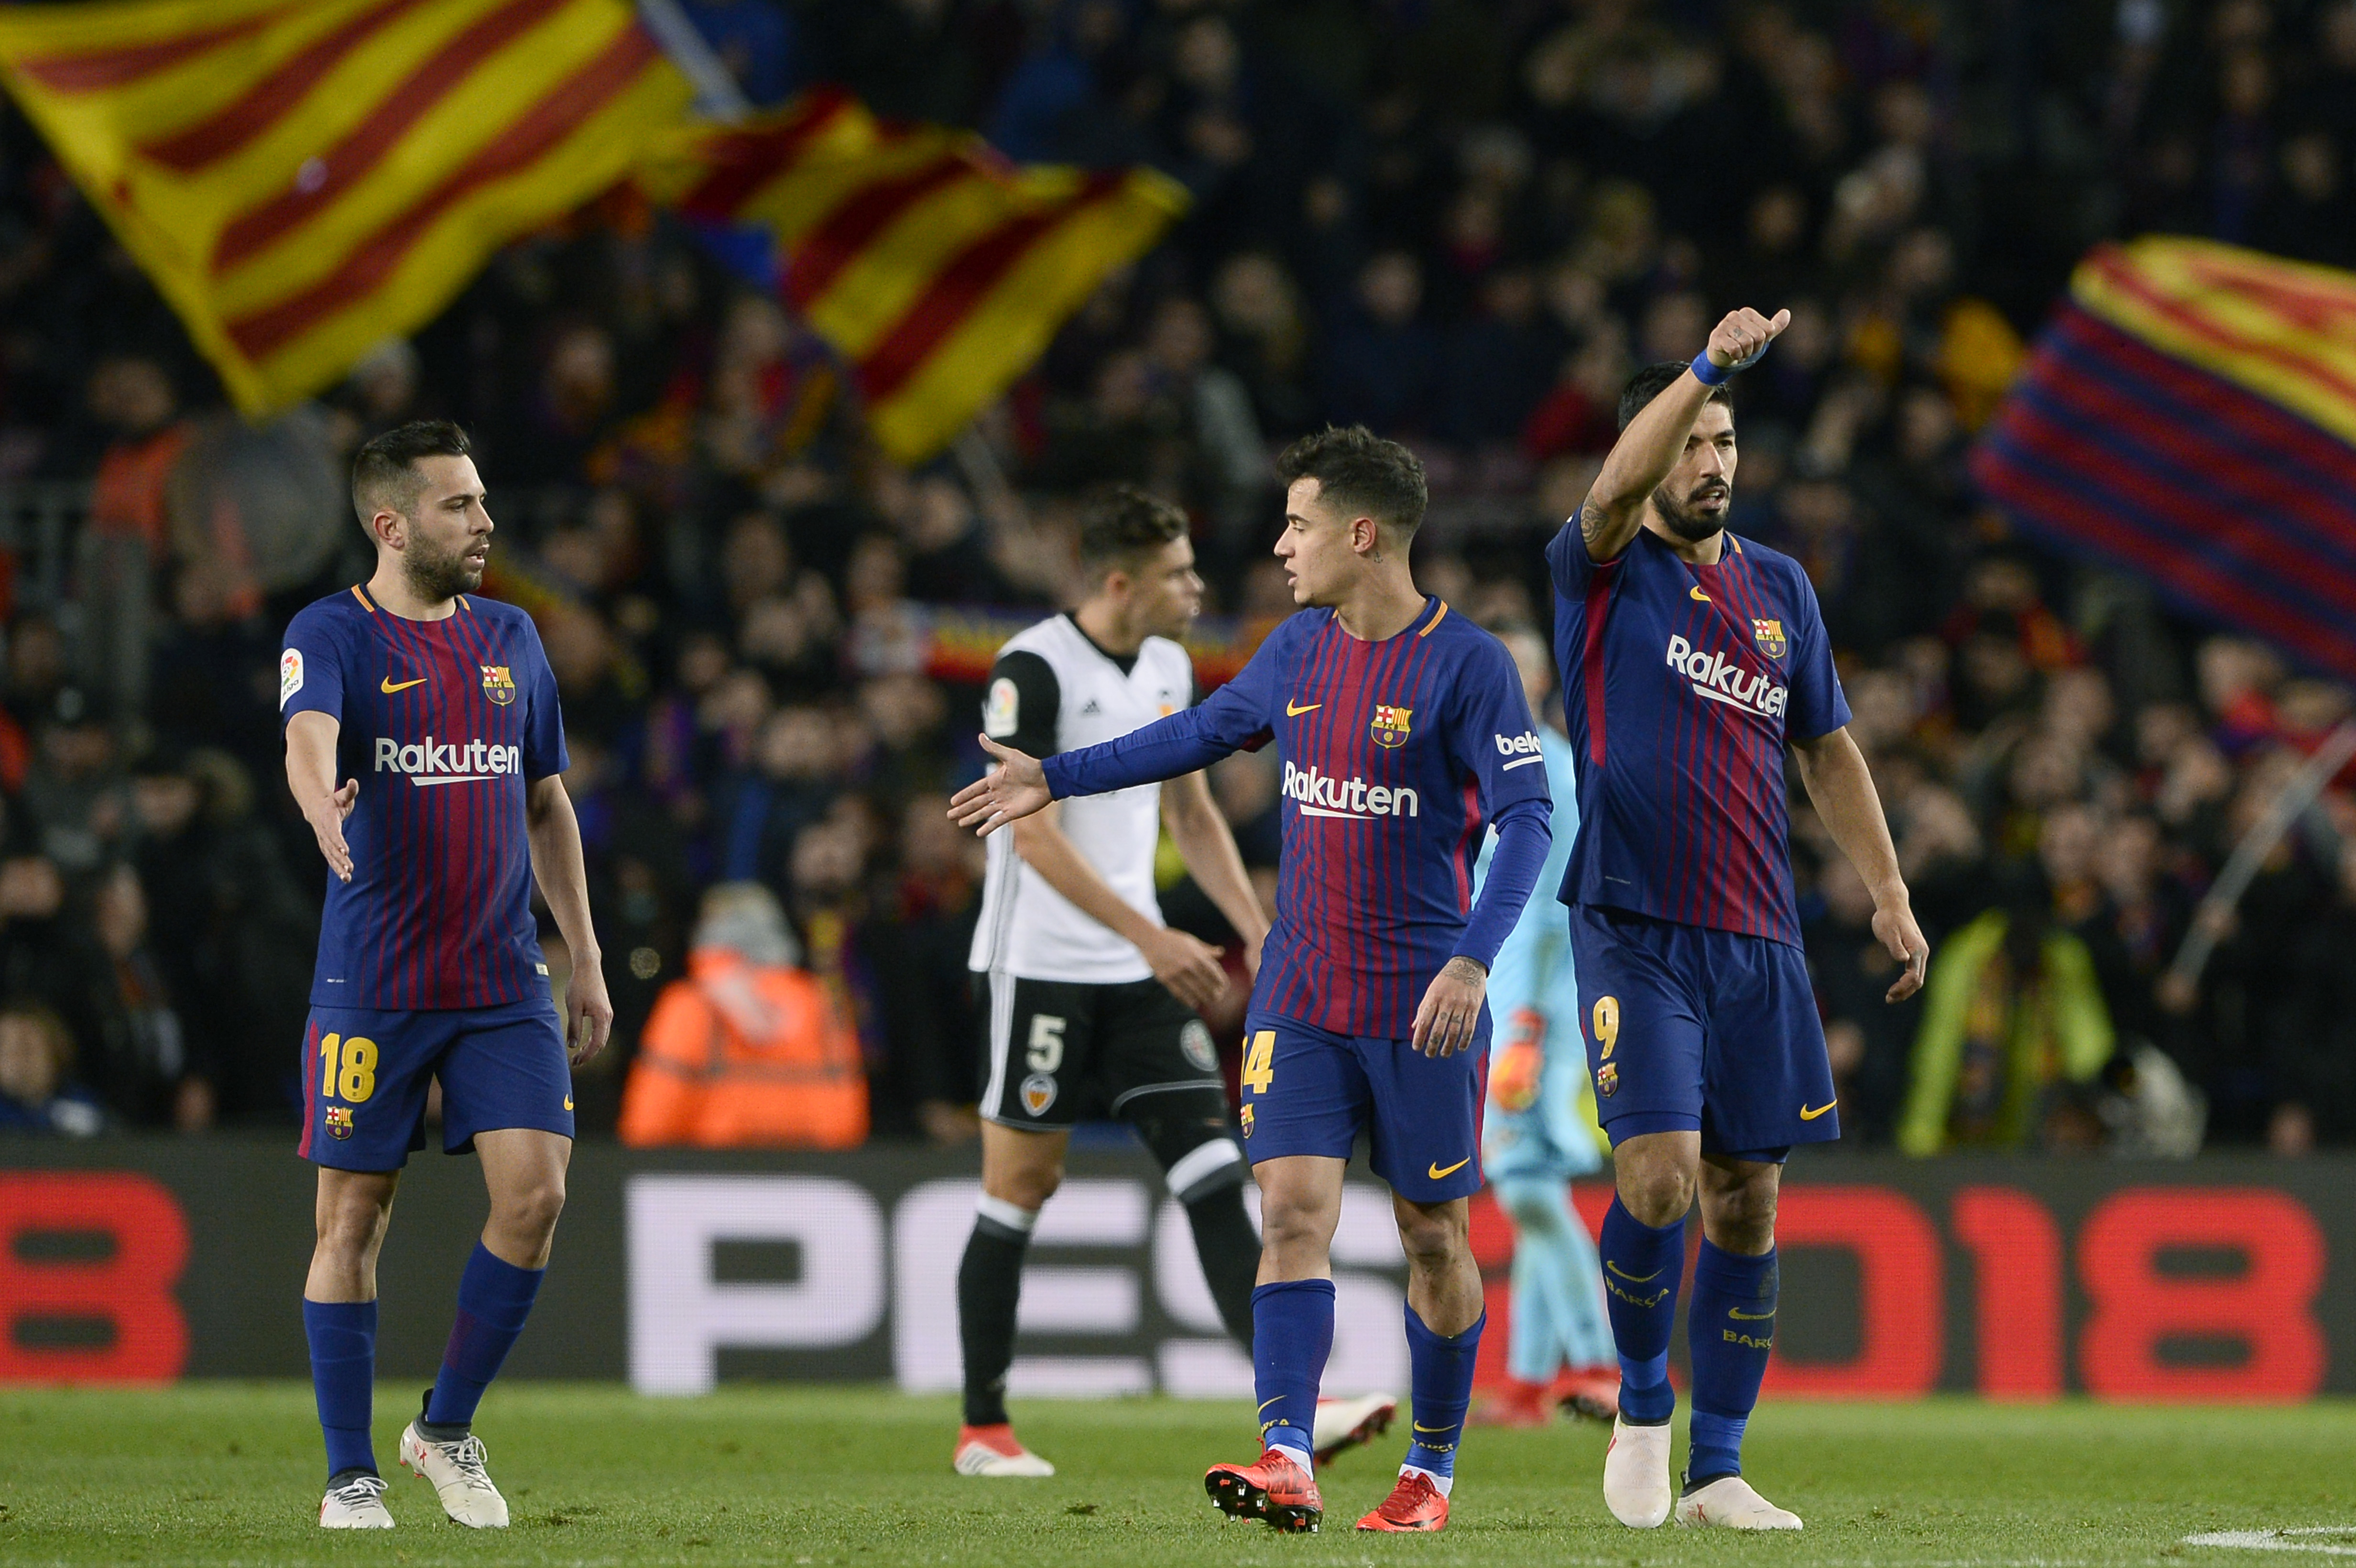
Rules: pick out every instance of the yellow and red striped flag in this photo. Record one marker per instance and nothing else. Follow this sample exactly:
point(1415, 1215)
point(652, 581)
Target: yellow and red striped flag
point(304, 178)
point(937, 268)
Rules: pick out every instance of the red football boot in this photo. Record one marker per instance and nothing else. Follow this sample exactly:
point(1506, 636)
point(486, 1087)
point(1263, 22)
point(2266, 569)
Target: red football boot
point(1593, 1393)
point(1278, 1489)
point(1414, 1504)
point(1516, 1404)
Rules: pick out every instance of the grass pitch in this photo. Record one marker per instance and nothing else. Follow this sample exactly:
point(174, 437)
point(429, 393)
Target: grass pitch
point(230, 1474)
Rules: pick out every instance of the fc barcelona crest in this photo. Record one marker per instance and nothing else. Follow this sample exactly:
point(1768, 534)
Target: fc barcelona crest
point(1607, 1080)
point(1390, 728)
point(1768, 635)
point(498, 684)
point(1247, 1121)
point(339, 1121)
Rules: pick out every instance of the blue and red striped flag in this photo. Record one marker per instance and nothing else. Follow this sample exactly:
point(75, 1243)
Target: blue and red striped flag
point(2191, 413)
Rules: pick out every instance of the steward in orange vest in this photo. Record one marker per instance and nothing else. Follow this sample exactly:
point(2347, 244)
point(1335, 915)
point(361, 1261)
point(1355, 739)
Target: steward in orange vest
point(749, 1049)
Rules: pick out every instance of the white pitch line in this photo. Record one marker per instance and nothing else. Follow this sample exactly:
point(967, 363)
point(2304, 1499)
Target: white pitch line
point(2284, 1538)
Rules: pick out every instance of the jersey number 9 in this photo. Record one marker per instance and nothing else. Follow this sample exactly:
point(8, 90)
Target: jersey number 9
point(357, 1081)
point(1607, 1025)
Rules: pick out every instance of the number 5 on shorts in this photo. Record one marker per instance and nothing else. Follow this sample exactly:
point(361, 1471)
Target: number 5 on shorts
point(1259, 1062)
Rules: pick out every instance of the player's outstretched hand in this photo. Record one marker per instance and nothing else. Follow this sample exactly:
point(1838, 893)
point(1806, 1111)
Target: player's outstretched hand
point(588, 1012)
point(1895, 930)
point(326, 820)
point(1187, 967)
point(1450, 1013)
point(1743, 336)
point(1007, 792)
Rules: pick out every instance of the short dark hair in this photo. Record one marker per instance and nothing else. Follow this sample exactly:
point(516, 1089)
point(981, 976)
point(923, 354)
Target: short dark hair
point(384, 472)
point(1120, 524)
point(1362, 473)
point(1653, 380)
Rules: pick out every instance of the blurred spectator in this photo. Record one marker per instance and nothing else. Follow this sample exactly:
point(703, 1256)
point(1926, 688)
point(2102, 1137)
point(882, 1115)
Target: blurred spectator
point(748, 1049)
point(2012, 1019)
point(1868, 1039)
point(1382, 366)
point(932, 1029)
point(128, 538)
point(37, 1093)
point(132, 1044)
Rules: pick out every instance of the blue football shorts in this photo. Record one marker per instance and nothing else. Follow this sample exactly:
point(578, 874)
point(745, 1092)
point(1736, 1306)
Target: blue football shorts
point(1689, 1028)
point(1310, 1091)
point(365, 1076)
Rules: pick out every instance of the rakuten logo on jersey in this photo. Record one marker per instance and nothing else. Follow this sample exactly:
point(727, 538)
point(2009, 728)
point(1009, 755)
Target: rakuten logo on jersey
point(1720, 681)
point(1354, 799)
point(447, 761)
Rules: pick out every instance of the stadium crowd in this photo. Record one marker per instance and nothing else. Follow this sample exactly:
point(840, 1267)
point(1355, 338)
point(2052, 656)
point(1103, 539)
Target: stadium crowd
point(1461, 223)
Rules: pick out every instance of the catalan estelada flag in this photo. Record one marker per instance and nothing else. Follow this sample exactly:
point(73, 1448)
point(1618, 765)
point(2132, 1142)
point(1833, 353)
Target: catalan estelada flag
point(2191, 413)
point(304, 178)
point(937, 270)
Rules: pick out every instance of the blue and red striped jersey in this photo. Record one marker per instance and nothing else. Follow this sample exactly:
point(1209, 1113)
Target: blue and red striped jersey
point(442, 722)
point(1395, 756)
point(1681, 685)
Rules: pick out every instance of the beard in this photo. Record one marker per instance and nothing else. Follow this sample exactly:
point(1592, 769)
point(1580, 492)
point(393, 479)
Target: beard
point(434, 574)
point(1684, 521)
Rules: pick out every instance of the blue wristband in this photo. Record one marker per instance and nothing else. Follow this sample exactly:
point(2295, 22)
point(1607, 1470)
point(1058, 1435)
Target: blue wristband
point(1706, 370)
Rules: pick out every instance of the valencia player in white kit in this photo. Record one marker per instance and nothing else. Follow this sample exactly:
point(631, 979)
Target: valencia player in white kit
point(1093, 1000)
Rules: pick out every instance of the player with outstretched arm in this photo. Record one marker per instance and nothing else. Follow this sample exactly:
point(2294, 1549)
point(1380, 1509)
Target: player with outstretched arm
point(1691, 660)
point(425, 746)
point(1400, 727)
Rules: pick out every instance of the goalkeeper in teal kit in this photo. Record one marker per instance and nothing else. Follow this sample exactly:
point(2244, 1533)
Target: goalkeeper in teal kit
point(1539, 1131)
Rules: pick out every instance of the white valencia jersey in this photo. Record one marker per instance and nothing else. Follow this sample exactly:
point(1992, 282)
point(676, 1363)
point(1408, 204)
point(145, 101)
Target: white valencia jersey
point(1052, 689)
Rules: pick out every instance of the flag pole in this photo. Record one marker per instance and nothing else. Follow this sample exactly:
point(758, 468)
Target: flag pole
point(717, 96)
point(2208, 917)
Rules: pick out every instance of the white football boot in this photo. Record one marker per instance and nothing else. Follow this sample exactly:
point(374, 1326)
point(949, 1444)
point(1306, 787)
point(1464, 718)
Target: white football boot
point(1636, 1486)
point(1728, 1503)
point(357, 1503)
point(1346, 1422)
point(458, 1477)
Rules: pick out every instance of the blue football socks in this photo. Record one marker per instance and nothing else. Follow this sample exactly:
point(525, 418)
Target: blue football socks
point(1729, 1329)
point(1292, 1333)
point(494, 1299)
point(1642, 1266)
point(343, 1374)
point(1441, 1379)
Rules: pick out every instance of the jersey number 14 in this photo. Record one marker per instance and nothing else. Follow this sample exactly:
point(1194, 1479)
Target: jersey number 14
point(1259, 1062)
